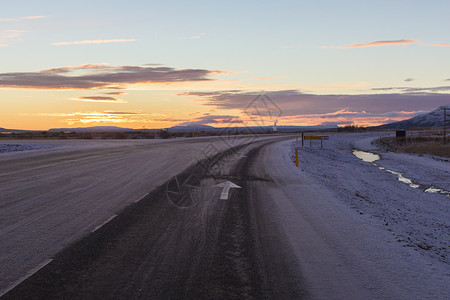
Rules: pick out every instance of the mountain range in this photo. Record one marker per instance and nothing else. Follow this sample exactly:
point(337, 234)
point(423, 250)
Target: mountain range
point(434, 118)
point(194, 128)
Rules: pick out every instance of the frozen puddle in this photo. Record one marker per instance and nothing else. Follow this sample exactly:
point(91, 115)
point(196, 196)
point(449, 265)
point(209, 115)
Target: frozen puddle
point(366, 156)
point(402, 178)
point(434, 190)
point(371, 158)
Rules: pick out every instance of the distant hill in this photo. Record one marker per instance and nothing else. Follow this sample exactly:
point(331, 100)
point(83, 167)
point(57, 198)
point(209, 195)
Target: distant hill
point(190, 128)
point(92, 129)
point(431, 119)
point(302, 128)
point(194, 128)
point(10, 130)
point(255, 129)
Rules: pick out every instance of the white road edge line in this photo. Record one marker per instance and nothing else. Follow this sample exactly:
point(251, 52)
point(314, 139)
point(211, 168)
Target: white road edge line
point(139, 199)
point(99, 226)
point(22, 279)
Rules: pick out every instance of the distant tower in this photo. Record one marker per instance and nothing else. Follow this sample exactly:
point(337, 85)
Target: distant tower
point(275, 125)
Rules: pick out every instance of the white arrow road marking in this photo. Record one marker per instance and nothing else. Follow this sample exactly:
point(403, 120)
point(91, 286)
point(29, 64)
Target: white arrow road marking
point(226, 189)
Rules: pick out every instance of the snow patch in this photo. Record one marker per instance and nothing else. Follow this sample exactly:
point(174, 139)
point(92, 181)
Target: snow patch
point(4, 148)
point(417, 219)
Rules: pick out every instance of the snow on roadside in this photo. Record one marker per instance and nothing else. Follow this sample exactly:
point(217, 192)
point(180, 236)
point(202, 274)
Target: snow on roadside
point(417, 219)
point(4, 148)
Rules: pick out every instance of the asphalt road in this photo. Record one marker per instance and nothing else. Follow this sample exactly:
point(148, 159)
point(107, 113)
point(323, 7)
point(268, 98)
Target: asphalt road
point(52, 198)
point(278, 235)
point(165, 246)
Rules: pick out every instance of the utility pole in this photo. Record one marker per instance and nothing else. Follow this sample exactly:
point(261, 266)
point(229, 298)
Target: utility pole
point(445, 123)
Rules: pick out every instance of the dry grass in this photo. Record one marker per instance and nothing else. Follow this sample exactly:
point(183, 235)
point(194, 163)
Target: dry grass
point(438, 149)
point(416, 144)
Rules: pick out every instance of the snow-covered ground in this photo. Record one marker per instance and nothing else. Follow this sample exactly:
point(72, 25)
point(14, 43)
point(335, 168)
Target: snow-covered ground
point(13, 147)
point(416, 218)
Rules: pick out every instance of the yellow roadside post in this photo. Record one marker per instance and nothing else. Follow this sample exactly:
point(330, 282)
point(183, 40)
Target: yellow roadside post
point(296, 157)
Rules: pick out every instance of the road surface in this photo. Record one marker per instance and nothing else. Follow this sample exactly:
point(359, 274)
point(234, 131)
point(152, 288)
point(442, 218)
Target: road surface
point(273, 234)
point(51, 198)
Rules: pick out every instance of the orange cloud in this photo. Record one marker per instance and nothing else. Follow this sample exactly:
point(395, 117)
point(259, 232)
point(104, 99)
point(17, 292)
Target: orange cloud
point(200, 35)
point(99, 99)
point(7, 35)
point(439, 45)
point(374, 44)
point(33, 17)
point(93, 42)
point(109, 117)
point(67, 69)
point(22, 18)
point(208, 119)
point(115, 93)
point(345, 117)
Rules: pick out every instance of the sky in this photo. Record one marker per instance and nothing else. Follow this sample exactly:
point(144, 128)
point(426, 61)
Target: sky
point(157, 64)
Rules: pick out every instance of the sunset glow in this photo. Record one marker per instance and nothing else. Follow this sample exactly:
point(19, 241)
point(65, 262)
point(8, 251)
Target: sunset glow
point(188, 64)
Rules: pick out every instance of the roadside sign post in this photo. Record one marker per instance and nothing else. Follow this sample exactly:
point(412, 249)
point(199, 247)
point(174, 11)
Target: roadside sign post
point(296, 157)
point(315, 137)
point(303, 135)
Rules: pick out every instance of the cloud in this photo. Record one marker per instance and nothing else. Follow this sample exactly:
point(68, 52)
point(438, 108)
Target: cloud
point(99, 99)
point(293, 103)
point(33, 17)
point(100, 77)
point(107, 117)
point(288, 47)
point(415, 89)
point(345, 117)
point(6, 36)
point(111, 112)
point(374, 44)
point(439, 45)
point(104, 117)
point(213, 119)
point(22, 18)
point(409, 79)
point(67, 69)
point(93, 42)
point(115, 93)
point(198, 36)
point(9, 35)
point(361, 114)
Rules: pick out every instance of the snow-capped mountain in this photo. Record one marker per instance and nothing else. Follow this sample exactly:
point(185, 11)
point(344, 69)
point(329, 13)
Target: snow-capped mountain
point(434, 118)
